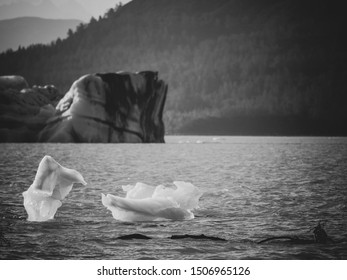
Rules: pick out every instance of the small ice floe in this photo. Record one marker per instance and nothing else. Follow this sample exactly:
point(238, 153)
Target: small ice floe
point(52, 184)
point(147, 203)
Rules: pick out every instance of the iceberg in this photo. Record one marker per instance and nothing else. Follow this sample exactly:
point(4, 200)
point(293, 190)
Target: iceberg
point(52, 184)
point(147, 203)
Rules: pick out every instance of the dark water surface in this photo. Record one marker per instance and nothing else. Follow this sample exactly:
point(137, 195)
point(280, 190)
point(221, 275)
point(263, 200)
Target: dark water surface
point(254, 188)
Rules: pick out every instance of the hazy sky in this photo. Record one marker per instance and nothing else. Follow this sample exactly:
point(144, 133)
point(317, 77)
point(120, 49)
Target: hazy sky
point(93, 7)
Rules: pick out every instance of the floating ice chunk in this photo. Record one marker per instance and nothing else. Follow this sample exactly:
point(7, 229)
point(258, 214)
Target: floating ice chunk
point(140, 190)
point(148, 203)
point(52, 184)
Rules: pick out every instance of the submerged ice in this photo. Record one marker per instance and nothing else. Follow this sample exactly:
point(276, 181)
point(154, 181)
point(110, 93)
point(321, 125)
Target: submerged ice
point(147, 203)
point(52, 184)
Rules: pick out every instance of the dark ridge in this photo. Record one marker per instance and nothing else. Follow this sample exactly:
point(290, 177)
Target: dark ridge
point(319, 237)
point(201, 236)
point(133, 236)
point(296, 240)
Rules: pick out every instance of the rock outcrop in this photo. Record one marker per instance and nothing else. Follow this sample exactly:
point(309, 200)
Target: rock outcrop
point(24, 110)
point(110, 108)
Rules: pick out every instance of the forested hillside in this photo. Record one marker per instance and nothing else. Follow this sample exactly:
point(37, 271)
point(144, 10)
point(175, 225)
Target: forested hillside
point(233, 66)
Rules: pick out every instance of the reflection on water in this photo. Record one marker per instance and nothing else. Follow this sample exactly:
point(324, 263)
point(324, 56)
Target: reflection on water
point(254, 187)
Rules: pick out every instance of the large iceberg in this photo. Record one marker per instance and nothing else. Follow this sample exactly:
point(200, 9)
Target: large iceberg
point(147, 203)
point(52, 184)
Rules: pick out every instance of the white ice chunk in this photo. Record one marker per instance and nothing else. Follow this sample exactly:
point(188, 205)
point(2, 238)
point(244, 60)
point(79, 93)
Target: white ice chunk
point(146, 203)
point(140, 190)
point(52, 184)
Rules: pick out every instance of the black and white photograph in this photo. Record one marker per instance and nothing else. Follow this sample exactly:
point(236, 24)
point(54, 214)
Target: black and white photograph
point(173, 130)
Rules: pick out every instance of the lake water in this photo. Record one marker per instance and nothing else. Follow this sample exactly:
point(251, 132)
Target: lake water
point(254, 188)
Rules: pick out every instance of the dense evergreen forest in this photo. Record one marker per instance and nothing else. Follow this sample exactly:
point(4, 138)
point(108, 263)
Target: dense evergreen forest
point(233, 66)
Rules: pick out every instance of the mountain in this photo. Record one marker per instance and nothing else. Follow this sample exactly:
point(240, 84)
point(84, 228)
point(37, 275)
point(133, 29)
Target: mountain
point(26, 31)
point(233, 66)
point(69, 9)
